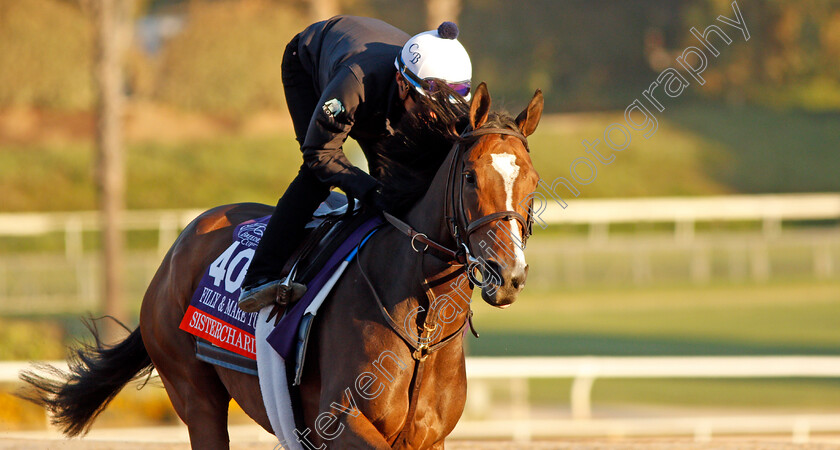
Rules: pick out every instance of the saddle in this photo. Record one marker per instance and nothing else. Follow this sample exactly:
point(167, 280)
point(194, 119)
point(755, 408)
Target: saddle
point(332, 224)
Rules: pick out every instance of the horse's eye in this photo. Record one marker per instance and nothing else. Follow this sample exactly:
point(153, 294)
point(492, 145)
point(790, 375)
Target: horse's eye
point(469, 177)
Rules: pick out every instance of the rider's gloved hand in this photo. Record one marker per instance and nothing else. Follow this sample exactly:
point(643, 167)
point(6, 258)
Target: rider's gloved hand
point(375, 199)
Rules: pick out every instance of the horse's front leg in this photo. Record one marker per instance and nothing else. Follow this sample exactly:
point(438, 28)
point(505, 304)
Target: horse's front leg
point(340, 429)
point(345, 419)
point(355, 432)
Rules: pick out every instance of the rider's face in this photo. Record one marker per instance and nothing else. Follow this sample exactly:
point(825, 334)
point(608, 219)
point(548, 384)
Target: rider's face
point(410, 105)
point(405, 94)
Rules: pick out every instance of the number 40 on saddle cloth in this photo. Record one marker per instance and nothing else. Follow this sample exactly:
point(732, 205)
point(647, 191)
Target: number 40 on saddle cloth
point(214, 313)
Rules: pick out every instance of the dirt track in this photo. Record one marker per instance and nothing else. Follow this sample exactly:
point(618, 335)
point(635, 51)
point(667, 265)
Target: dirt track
point(252, 437)
point(587, 444)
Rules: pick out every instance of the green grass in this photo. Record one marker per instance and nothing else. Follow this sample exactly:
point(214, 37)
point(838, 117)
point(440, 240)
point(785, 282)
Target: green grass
point(671, 162)
point(46, 178)
point(779, 318)
point(776, 395)
point(179, 175)
point(772, 319)
point(775, 318)
point(770, 151)
point(698, 150)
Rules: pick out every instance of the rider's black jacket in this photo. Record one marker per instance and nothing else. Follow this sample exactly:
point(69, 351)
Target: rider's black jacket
point(351, 61)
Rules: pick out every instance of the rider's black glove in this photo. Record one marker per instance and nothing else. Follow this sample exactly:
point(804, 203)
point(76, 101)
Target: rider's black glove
point(375, 199)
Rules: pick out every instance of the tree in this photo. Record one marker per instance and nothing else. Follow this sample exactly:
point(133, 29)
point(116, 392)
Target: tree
point(322, 9)
point(438, 11)
point(113, 33)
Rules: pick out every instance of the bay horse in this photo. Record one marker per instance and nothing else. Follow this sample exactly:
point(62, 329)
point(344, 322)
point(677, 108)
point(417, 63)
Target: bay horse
point(389, 370)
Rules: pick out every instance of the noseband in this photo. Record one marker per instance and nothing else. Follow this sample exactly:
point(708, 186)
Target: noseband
point(460, 227)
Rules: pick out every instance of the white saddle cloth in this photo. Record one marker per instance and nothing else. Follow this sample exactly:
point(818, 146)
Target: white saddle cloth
point(271, 369)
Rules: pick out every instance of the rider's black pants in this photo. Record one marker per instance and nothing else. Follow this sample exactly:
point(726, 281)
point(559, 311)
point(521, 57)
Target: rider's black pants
point(285, 230)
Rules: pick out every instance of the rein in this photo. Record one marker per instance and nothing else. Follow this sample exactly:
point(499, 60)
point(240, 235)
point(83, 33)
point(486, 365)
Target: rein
point(419, 345)
point(460, 229)
point(443, 253)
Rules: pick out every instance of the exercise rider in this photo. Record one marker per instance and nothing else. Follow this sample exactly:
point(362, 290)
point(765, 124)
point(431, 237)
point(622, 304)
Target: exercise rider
point(347, 76)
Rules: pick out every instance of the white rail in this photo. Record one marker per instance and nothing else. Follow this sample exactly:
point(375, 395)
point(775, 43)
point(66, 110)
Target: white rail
point(713, 208)
point(769, 209)
point(27, 224)
point(167, 222)
point(585, 370)
point(10, 370)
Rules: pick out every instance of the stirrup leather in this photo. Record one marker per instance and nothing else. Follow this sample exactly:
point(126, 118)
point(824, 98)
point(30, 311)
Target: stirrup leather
point(282, 292)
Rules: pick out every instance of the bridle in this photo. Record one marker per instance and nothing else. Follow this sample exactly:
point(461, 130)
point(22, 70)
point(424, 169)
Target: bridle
point(459, 225)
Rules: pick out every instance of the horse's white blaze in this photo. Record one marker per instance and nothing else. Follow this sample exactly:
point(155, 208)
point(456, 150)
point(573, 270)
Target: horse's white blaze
point(505, 164)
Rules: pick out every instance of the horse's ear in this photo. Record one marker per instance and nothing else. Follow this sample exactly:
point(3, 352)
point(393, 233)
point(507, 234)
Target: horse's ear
point(528, 119)
point(480, 106)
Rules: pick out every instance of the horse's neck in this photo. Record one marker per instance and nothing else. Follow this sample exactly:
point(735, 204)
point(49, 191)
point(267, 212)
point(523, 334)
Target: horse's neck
point(429, 214)
point(427, 299)
point(440, 279)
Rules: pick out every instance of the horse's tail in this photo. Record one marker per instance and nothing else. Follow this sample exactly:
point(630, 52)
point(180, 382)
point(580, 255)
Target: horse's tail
point(97, 373)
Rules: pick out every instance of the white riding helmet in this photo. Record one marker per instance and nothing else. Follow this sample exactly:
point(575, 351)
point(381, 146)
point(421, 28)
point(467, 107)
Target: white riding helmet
point(436, 54)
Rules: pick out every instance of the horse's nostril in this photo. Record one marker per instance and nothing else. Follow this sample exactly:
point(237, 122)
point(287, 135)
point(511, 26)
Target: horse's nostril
point(494, 272)
point(518, 281)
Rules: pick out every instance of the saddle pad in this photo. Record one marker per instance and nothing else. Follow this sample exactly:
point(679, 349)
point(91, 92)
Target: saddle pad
point(274, 387)
point(207, 352)
point(213, 313)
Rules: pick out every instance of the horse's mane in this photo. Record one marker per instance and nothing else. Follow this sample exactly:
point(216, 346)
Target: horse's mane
point(500, 119)
point(412, 156)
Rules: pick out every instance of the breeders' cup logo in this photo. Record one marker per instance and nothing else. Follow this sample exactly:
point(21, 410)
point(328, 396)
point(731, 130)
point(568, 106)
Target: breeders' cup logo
point(250, 234)
point(415, 55)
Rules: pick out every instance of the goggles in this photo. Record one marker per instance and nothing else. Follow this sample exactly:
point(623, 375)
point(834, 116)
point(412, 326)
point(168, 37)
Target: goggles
point(430, 85)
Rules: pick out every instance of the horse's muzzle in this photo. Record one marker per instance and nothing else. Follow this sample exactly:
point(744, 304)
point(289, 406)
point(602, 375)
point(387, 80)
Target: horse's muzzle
point(502, 284)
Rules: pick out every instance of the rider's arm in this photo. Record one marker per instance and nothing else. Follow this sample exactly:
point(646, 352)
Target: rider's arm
point(327, 132)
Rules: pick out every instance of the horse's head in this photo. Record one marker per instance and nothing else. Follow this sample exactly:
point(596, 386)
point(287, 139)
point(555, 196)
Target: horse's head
point(496, 179)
